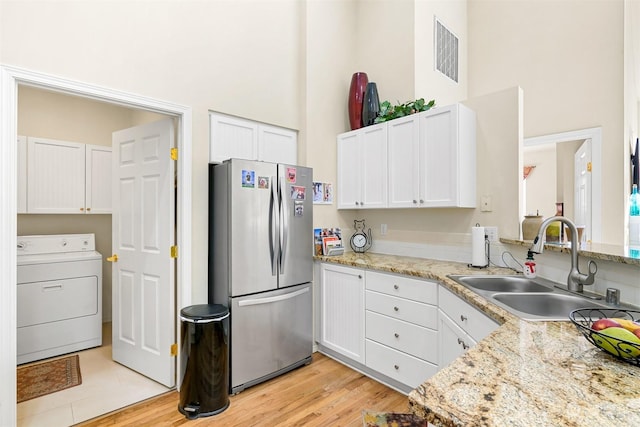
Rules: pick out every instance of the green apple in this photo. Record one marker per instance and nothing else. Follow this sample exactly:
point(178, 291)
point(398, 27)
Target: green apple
point(612, 340)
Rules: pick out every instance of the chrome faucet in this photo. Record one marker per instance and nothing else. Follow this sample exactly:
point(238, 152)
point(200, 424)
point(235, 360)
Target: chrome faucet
point(575, 279)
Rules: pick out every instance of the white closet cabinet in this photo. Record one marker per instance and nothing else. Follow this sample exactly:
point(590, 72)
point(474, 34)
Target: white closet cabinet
point(342, 310)
point(59, 172)
point(235, 137)
point(432, 159)
point(22, 174)
point(362, 168)
point(461, 326)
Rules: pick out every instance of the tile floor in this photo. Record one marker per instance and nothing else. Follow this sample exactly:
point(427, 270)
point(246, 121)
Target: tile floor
point(106, 386)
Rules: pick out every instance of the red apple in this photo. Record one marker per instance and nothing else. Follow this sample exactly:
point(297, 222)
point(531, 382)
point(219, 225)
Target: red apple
point(601, 324)
point(637, 333)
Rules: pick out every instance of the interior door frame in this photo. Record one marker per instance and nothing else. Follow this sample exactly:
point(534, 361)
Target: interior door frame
point(10, 78)
point(595, 134)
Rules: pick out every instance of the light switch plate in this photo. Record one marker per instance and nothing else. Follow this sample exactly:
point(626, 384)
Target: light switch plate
point(485, 204)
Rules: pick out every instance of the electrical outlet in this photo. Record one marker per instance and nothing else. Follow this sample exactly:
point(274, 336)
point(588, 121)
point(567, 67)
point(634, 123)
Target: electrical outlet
point(492, 233)
point(383, 229)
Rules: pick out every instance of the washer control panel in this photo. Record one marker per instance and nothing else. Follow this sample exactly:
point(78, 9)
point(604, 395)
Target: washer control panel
point(55, 243)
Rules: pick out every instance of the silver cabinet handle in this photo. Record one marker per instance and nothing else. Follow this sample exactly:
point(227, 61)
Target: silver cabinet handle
point(465, 346)
point(463, 317)
point(395, 309)
point(396, 367)
point(396, 335)
point(359, 276)
point(415, 202)
point(396, 287)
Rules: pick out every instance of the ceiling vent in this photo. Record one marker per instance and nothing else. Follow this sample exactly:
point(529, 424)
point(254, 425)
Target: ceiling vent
point(446, 51)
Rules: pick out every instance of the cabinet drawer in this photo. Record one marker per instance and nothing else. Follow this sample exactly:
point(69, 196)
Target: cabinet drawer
point(403, 309)
point(471, 320)
point(400, 366)
point(407, 337)
point(403, 287)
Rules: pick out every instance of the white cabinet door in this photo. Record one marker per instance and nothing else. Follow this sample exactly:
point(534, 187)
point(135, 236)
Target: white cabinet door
point(277, 145)
point(447, 157)
point(404, 162)
point(362, 168)
point(342, 311)
point(56, 176)
point(98, 179)
point(452, 341)
point(232, 137)
point(22, 174)
point(237, 138)
point(475, 323)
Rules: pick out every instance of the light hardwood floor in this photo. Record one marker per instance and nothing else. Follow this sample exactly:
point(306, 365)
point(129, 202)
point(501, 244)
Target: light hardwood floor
point(323, 393)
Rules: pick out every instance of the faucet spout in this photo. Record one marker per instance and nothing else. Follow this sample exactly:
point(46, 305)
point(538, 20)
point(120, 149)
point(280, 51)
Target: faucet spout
point(576, 279)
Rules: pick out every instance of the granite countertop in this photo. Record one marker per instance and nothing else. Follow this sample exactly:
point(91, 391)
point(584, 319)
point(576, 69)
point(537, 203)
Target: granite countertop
point(522, 374)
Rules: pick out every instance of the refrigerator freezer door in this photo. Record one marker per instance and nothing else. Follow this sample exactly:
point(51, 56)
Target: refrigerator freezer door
point(296, 213)
point(270, 333)
point(249, 186)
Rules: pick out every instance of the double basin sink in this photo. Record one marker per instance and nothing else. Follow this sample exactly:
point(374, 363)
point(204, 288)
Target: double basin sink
point(529, 299)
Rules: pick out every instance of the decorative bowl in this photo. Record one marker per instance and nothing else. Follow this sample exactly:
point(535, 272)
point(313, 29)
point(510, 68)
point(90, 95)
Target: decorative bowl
point(622, 349)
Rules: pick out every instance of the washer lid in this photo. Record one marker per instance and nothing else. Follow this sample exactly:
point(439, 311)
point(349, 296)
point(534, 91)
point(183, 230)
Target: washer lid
point(58, 257)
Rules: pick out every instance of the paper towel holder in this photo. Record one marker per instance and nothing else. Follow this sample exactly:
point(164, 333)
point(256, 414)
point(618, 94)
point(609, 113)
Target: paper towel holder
point(487, 251)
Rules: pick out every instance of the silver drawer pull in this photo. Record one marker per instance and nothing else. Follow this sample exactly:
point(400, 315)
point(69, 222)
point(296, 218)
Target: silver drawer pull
point(396, 367)
point(396, 287)
point(465, 346)
point(463, 317)
point(395, 309)
point(397, 335)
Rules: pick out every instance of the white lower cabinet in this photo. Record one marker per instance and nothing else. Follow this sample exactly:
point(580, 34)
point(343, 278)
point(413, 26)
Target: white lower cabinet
point(461, 326)
point(396, 329)
point(342, 310)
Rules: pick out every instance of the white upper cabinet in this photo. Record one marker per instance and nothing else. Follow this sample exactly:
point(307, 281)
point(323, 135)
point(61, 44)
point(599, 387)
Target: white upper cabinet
point(22, 174)
point(277, 145)
point(431, 162)
point(362, 168)
point(67, 177)
point(404, 162)
point(98, 179)
point(448, 157)
point(235, 137)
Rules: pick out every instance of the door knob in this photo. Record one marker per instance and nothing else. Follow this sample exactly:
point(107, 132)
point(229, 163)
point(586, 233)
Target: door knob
point(113, 258)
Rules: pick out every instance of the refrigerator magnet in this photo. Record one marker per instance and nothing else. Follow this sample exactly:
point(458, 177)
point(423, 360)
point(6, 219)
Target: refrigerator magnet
point(297, 192)
point(291, 175)
point(263, 182)
point(248, 178)
point(298, 208)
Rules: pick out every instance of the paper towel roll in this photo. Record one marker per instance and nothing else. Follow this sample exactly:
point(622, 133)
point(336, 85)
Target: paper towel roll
point(478, 254)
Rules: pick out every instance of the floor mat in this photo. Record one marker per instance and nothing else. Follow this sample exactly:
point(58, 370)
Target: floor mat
point(42, 378)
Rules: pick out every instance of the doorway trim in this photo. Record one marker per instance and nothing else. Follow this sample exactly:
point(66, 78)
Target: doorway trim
point(595, 134)
point(10, 78)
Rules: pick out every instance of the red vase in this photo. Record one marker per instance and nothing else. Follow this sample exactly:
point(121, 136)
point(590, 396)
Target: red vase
point(356, 97)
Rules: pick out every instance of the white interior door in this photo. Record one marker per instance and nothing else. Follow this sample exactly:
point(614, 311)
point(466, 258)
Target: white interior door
point(582, 188)
point(143, 233)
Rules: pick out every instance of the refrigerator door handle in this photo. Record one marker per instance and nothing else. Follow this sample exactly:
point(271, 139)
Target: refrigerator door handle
point(284, 224)
point(269, 300)
point(273, 227)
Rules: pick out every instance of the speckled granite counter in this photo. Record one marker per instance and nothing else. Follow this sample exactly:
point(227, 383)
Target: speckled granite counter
point(523, 374)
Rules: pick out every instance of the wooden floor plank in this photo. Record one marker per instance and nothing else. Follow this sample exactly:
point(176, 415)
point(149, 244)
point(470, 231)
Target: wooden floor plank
point(320, 394)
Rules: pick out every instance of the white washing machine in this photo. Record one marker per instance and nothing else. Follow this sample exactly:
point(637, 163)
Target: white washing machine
point(59, 295)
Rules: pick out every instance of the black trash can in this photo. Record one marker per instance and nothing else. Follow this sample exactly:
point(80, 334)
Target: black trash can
point(205, 360)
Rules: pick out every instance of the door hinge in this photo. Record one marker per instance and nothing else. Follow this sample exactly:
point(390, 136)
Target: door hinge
point(589, 167)
point(174, 154)
point(174, 252)
point(174, 349)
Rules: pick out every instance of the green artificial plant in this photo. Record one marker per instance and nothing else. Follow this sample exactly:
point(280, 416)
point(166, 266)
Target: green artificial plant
point(390, 112)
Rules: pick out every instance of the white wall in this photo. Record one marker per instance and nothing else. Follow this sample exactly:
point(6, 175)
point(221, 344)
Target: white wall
point(541, 183)
point(567, 56)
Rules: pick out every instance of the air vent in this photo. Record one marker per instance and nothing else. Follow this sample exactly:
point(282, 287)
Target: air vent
point(446, 49)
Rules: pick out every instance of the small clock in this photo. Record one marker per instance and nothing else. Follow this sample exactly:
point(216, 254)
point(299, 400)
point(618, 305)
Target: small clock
point(360, 240)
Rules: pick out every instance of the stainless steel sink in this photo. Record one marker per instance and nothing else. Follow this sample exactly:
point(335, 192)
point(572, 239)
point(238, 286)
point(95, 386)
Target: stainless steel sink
point(529, 299)
point(502, 283)
point(555, 306)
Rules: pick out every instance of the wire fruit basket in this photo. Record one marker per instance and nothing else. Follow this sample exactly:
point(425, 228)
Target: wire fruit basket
point(624, 349)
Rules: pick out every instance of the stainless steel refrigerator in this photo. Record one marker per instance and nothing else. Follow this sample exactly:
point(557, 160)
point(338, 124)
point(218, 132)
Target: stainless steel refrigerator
point(261, 266)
